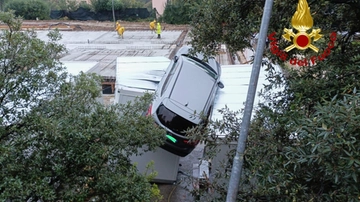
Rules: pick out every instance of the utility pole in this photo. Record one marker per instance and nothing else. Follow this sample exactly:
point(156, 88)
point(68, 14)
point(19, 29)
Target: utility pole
point(113, 13)
point(244, 128)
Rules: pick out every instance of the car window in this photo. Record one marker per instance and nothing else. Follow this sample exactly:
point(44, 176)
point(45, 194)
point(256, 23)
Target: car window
point(173, 121)
point(168, 78)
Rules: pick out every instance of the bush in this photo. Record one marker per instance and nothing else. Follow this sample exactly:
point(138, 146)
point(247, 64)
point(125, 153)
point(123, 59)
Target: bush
point(106, 5)
point(319, 163)
point(29, 9)
point(177, 13)
point(57, 142)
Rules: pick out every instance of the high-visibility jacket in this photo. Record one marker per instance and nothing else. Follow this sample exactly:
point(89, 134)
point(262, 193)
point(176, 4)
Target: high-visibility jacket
point(121, 31)
point(158, 28)
point(153, 25)
point(117, 26)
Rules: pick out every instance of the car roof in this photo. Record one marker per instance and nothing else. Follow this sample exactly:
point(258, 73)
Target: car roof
point(192, 87)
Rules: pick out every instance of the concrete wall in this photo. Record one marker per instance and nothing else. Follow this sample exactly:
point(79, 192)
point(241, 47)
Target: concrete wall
point(159, 5)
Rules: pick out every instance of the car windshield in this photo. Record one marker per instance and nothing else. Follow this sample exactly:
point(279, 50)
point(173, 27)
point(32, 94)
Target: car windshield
point(203, 66)
point(173, 121)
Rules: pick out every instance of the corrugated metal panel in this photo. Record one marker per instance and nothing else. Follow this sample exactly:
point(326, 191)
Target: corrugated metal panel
point(236, 79)
point(75, 67)
point(139, 73)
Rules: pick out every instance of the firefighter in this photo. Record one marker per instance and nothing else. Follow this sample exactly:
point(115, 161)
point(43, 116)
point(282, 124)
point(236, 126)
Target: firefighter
point(117, 27)
point(120, 30)
point(158, 30)
point(153, 26)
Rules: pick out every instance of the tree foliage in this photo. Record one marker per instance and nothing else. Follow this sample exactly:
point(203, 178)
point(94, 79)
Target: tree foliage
point(308, 157)
point(106, 5)
point(227, 21)
point(234, 22)
point(29, 9)
point(2, 3)
point(68, 5)
point(57, 142)
point(303, 141)
point(179, 12)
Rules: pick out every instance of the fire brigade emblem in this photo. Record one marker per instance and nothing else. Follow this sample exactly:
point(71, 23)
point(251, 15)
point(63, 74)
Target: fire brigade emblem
point(302, 21)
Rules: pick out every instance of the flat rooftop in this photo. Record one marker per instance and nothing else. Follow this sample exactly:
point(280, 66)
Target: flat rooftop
point(99, 49)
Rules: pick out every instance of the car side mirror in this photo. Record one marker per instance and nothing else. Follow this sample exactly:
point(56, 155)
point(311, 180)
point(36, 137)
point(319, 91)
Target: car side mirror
point(220, 84)
point(176, 58)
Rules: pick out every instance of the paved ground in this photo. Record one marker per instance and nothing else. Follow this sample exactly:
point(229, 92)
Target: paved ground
point(95, 50)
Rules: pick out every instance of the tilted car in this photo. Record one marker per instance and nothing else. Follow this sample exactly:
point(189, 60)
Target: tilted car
point(184, 95)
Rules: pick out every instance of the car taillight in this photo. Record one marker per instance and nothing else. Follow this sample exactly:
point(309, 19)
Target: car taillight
point(148, 112)
point(193, 143)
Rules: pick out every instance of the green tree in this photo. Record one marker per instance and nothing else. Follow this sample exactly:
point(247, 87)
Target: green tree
point(234, 22)
point(303, 141)
point(224, 22)
point(179, 12)
point(133, 4)
point(29, 10)
point(72, 5)
point(106, 5)
point(2, 3)
point(57, 142)
point(69, 5)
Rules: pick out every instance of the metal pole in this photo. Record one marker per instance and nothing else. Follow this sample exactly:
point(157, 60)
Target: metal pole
point(244, 128)
point(113, 13)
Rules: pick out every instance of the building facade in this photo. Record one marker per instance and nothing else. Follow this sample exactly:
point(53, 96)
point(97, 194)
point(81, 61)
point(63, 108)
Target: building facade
point(159, 5)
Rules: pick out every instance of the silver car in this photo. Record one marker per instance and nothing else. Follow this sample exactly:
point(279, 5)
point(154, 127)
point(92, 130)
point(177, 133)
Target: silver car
point(185, 94)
